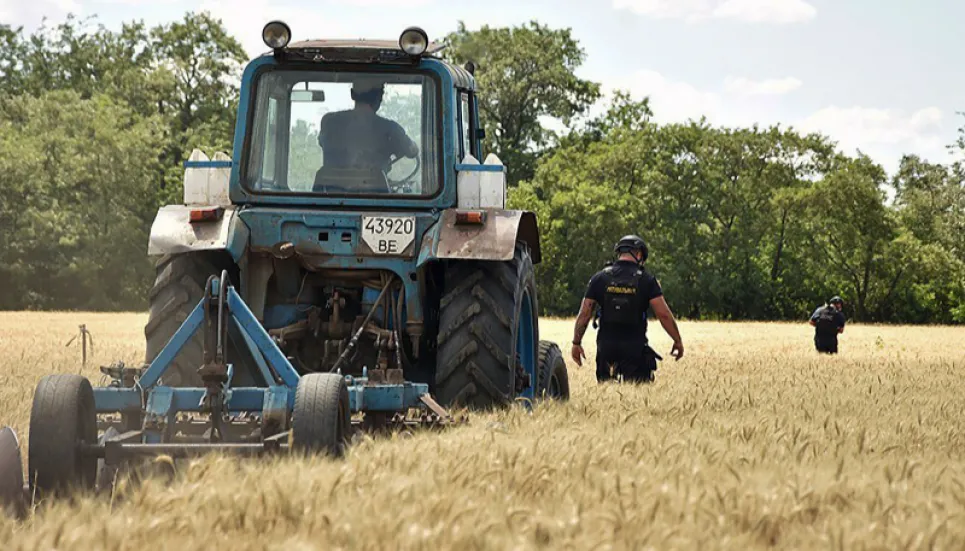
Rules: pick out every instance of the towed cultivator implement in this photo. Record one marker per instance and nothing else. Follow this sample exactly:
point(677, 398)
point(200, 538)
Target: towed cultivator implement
point(80, 433)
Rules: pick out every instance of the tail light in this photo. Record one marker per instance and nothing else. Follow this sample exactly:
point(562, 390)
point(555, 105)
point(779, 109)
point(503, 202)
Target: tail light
point(470, 217)
point(206, 215)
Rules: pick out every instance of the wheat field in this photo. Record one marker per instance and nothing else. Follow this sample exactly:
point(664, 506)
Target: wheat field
point(751, 441)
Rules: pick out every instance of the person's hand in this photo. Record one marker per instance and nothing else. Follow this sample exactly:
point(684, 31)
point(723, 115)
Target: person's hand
point(677, 351)
point(578, 354)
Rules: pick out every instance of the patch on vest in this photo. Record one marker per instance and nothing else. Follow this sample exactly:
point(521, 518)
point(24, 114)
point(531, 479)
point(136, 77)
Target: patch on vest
point(621, 290)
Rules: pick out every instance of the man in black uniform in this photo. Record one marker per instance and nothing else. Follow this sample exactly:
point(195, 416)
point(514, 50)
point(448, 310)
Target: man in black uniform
point(828, 323)
point(623, 291)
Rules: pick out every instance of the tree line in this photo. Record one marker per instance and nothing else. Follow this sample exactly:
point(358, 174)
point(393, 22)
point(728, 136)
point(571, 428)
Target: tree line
point(743, 223)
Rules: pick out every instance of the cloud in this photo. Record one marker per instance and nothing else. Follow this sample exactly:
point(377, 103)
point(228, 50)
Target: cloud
point(747, 11)
point(766, 11)
point(245, 19)
point(858, 127)
point(883, 134)
point(385, 3)
point(671, 100)
point(742, 86)
point(30, 14)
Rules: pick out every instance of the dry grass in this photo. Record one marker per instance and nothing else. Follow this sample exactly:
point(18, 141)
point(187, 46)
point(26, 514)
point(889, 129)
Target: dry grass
point(751, 441)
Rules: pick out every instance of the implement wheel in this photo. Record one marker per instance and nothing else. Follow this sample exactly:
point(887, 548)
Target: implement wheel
point(11, 475)
point(322, 419)
point(554, 380)
point(62, 421)
point(488, 333)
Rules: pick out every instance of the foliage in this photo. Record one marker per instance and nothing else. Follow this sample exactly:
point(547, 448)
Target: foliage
point(97, 118)
point(747, 223)
point(525, 73)
point(743, 223)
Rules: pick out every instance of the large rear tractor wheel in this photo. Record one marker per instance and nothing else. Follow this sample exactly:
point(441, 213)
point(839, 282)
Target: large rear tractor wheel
point(322, 418)
point(179, 286)
point(62, 421)
point(554, 380)
point(488, 333)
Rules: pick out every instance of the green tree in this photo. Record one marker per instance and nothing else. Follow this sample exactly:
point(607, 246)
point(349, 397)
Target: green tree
point(525, 73)
point(76, 181)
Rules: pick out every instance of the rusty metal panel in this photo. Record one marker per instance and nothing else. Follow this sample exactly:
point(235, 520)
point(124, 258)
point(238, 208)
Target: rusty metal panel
point(172, 232)
point(493, 240)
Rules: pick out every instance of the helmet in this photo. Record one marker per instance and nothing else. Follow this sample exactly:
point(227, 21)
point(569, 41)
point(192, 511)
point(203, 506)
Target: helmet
point(630, 242)
point(836, 300)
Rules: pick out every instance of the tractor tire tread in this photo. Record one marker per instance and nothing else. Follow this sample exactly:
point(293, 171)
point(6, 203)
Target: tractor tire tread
point(476, 364)
point(62, 414)
point(315, 417)
point(179, 285)
point(549, 359)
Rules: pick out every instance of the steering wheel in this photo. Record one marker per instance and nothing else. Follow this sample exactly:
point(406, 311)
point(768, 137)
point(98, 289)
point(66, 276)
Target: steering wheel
point(400, 185)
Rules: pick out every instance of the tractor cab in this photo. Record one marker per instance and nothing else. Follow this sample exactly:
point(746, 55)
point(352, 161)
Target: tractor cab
point(365, 122)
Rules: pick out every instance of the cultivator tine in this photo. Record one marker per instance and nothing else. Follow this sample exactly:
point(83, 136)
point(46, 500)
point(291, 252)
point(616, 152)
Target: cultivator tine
point(443, 415)
point(11, 474)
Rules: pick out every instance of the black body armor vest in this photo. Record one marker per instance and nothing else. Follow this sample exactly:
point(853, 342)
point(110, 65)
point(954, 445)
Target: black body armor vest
point(621, 299)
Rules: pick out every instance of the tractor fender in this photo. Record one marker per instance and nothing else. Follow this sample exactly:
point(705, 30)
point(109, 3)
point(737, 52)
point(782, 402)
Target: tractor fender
point(173, 232)
point(494, 239)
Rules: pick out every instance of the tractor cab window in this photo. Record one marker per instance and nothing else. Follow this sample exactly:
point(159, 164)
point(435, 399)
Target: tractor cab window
point(344, 133)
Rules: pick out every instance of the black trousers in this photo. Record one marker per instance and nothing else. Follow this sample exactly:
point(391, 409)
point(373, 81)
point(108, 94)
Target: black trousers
point(827, 344)
point(634, 363)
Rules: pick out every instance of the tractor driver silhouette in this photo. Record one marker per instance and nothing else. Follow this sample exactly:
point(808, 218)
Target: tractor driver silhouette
point(358, 144)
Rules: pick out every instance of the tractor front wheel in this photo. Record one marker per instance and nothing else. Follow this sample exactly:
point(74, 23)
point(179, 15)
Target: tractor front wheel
point(62, 421)
point(554, 380)
point(488, 333)
point(322, 419)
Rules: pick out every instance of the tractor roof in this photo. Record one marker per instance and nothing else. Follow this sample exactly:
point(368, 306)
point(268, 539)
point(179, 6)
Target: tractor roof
point(371, 51)
point(360, 43)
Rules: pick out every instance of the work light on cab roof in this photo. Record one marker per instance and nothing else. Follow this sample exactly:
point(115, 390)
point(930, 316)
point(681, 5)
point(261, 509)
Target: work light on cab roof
point(276, 35)
point(414, 41)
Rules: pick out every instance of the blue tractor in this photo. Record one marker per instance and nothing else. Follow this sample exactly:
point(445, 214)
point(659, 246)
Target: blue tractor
point(351, 263)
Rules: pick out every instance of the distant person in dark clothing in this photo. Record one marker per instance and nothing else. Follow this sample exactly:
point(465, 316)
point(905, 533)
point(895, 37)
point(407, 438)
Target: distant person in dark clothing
point(828, 323)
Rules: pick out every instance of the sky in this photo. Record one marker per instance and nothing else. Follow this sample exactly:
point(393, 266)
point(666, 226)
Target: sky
point(874, 75)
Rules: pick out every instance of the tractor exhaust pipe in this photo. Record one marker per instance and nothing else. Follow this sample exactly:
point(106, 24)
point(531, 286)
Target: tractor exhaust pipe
point(13, 496)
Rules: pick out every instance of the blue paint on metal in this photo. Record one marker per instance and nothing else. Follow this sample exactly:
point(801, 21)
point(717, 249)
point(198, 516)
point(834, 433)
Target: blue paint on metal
point(259, 358)
point(246, 320)
point(173, 347)
point(282, 315)
point(306, 229)
point(208, 164)
point(427, 248)
point(384, 397)
point(242, 399)
point(480, 168)
point(277, 401)
point(158, 414)
point(526, 343)
point(238, 238)
point(475, 116)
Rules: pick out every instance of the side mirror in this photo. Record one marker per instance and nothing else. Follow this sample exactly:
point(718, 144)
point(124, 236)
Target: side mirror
point(308, 96)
